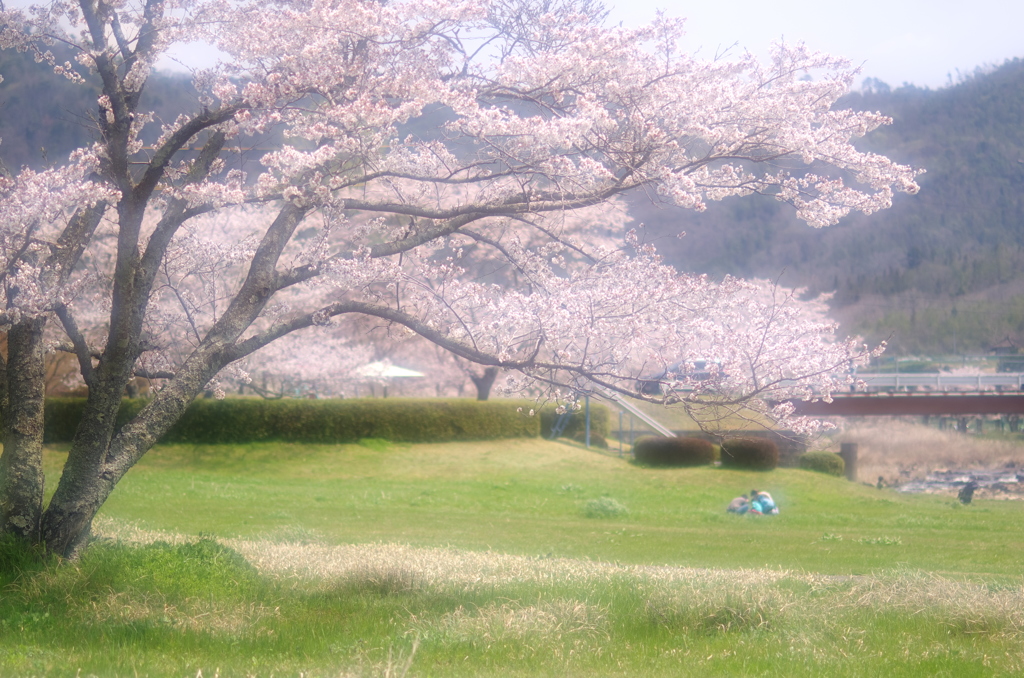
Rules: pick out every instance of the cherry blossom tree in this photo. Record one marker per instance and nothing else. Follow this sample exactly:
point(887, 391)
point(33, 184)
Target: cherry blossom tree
point(419, 136)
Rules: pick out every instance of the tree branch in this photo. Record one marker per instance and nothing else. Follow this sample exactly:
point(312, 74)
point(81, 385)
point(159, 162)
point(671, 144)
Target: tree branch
point(156, 374)
point(523, 203)
point(177, 212)
point(122, 43)
point(79, 345)
point(73, 241)
point(164, 154)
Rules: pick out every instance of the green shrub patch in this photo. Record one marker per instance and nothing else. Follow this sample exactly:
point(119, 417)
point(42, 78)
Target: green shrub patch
point(595, 440)
point(823, 462)
point(753, 454)
point(663, 451)
point(605, 507)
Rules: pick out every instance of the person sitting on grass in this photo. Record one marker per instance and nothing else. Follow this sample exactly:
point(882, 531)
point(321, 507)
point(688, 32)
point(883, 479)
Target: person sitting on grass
point(761, 503)
point(768, 505)
point(739, 505)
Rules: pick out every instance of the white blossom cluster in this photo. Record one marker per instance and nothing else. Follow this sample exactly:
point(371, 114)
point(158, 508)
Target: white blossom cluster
point(453, 167)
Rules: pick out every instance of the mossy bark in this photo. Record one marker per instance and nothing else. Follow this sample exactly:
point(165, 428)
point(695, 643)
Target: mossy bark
point(21, 464)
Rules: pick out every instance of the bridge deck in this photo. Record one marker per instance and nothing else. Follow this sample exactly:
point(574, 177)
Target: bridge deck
point(895, 404)
point(942, 381)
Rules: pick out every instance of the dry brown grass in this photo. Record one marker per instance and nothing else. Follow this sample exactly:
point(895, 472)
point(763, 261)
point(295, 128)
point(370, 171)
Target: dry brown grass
point(963, 607)
point(543, 607)
point(900, 450)
point(194, 614)
point(690, 599)
point(711, 607)
point(396, 567)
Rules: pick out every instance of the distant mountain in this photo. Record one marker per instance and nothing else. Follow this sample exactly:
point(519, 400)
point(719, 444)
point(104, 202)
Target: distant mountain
point(43, 118)
point(940, 272)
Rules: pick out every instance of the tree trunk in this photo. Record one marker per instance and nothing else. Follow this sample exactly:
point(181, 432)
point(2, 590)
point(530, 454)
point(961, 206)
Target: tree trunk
point(85, 482)
point(21, 465)
point(484, 382)
point(99, 458)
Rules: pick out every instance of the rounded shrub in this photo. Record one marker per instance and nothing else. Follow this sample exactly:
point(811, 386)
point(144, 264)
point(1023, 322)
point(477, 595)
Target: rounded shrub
point(754, 454)
point(823, 462)
point(596, 439)
point(663, 451)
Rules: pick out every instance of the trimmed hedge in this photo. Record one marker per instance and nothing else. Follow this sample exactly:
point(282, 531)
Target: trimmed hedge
point(577, 424)
point(61, 416)
point(242, 420)
point(823, 462)
point(664, 451)
point(755, 454)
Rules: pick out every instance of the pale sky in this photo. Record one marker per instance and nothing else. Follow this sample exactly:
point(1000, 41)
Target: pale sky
point(922, 42)
point(897, 41)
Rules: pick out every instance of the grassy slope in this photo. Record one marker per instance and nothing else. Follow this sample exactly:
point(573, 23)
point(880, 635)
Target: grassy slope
point(676, 418)
point(527, 497)
point(180, 610)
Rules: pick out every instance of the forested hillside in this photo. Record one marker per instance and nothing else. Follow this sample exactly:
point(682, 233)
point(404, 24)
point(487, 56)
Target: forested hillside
point(42, 118)
point(940, 272)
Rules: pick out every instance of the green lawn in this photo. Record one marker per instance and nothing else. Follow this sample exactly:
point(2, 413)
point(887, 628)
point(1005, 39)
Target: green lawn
point(479, 559)
point(528, 497)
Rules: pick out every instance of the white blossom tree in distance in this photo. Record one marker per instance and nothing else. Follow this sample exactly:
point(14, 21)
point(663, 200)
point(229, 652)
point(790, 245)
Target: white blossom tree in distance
point(419, 140)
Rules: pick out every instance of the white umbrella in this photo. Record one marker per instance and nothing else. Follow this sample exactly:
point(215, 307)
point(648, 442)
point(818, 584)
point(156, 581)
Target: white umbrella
point(387, 371)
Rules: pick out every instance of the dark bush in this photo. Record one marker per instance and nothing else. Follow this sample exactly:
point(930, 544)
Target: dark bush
point(823, 462)
point(596, 439)
point(659, 451)
point(241, 420)
point(577, 421)
point(61, 416)
point(755, 454)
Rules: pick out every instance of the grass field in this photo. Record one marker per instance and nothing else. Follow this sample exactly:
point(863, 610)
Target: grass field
point(519, 557)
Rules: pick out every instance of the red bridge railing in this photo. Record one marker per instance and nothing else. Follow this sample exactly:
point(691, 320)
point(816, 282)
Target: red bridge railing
point(895, 404)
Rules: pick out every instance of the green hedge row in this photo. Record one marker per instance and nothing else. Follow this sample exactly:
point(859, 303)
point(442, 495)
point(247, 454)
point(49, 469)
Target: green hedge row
point(242, 420)
point(662, 451)
point(823, 462)
point(577, 423)
point(754, 454)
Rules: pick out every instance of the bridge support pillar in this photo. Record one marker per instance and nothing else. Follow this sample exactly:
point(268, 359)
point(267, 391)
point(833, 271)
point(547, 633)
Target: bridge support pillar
point(848, 451)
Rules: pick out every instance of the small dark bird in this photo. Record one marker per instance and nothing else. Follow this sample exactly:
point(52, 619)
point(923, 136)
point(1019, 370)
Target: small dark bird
point(967, 492)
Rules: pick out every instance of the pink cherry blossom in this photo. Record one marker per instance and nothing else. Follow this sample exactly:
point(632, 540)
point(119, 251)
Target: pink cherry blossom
point(450, 169)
